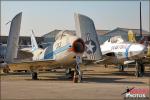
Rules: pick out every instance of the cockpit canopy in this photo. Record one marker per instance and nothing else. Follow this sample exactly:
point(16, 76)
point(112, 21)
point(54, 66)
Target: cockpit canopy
point(115, 39)
point(64, 33)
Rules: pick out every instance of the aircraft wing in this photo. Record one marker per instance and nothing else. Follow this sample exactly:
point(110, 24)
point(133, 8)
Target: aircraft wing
point(33, 65)
point(129, 62)
point(107, 57)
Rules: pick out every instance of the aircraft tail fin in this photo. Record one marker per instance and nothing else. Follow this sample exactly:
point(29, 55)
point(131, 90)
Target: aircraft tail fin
point(33, 42)
point(86, 30)
point(13, 38)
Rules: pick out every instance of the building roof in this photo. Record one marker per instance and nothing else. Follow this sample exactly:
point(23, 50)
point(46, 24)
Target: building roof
point(102, 32)
point(54, 32)
point(136, 31)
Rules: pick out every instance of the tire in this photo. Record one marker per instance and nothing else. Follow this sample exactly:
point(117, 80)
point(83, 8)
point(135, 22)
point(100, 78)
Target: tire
point(137, 72)
point(142, 69)
point(75, 79)
point(34, 76)
point(121, 68)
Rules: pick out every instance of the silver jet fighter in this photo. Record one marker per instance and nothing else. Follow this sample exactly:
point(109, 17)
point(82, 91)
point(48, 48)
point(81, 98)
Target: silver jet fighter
point(67, 52)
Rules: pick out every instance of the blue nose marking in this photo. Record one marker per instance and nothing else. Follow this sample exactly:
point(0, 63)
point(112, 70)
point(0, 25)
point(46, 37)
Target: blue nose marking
point(127, 51)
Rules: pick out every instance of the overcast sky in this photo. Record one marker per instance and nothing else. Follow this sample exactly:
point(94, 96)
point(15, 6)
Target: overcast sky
point(45, 16)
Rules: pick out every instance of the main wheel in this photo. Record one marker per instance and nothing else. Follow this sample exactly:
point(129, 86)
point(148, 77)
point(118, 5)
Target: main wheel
point(142, 68)
point(75, 79)
point(121, 68)
point(106, 66)
point(137, 67)
point(34, 76)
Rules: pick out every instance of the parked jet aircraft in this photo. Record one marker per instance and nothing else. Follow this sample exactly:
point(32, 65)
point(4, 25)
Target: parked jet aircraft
point(116, 51)
point(67, 50)
point(126, 52)
point(70, 47)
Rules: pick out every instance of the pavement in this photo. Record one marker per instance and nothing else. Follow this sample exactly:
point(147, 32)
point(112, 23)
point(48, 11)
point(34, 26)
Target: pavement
point(99, 83)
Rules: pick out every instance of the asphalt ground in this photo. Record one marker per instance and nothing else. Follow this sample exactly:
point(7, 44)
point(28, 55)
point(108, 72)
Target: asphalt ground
point(99, 83)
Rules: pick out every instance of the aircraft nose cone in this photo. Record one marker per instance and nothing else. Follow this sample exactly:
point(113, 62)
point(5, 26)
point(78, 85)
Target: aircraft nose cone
point(144, 51)
point(137, 50)
point(138, 47)
point(142, 47)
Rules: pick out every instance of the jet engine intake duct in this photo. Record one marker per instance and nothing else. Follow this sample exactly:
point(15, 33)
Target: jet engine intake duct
point(78, 46)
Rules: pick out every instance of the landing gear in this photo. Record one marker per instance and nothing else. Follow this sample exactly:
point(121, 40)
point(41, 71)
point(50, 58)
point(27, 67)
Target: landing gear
point(34, 75)
point(69, 73)
point(77, 73)
point(140, 68)
point(106, 66)
point(121, 68)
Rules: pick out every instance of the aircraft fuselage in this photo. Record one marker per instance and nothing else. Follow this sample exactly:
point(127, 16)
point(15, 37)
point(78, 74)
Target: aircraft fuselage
point(123, 51)
point(65, 50)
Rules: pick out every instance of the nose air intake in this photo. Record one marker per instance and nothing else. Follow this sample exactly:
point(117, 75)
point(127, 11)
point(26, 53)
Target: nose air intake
point(78, 46)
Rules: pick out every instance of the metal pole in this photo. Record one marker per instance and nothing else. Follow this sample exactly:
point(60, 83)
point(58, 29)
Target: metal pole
point(140, 22)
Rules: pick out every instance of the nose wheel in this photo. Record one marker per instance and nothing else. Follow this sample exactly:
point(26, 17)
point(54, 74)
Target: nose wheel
point(140, 68)
point(34, 75)
point(77, 73)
